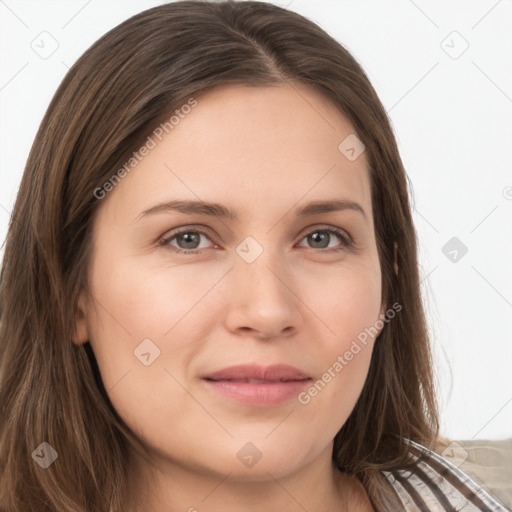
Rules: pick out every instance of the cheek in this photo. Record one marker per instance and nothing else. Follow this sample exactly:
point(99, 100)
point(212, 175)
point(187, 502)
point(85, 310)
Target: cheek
point(172, 306)
point(143, 340)
point(349, 307)
point(177, 307)
point(144, 302)
point(147, 320)
point(349, 302)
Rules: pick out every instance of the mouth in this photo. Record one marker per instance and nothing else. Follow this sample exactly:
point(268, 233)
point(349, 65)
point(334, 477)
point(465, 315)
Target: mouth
point(257, 386)
point(255, 381)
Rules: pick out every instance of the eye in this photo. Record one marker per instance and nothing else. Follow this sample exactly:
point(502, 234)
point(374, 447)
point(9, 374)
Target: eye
point(321, 238)
point(188, 240)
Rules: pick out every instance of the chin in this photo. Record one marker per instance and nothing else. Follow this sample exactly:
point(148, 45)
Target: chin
point(260, 472)
point(269, 462)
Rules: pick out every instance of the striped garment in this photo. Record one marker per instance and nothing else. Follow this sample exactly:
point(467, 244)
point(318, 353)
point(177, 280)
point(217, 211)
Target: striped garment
point(436, 485)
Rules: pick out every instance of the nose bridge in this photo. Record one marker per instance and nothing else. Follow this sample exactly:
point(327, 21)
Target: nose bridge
point(259, 265)
point(262, 299)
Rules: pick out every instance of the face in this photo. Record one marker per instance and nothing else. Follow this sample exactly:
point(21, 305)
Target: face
point(267, 286)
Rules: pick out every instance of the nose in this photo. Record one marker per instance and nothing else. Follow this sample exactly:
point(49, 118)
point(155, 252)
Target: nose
point(263, 299)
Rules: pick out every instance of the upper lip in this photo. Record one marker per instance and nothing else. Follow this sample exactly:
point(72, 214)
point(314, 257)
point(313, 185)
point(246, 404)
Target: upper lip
point(276, 372)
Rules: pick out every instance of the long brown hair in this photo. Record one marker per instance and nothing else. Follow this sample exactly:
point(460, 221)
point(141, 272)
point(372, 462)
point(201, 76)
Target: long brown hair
point(148, 66)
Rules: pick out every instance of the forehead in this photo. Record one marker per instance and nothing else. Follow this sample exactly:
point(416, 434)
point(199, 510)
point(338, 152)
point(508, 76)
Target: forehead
point(246, 146)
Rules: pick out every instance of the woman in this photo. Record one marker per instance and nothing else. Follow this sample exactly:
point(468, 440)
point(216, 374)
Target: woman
point(210, 294)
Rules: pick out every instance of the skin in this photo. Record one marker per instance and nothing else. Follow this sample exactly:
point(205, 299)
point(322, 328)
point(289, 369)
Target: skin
point(263, 152)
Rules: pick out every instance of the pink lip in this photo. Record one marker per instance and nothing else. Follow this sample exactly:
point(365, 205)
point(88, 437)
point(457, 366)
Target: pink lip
point(281, 382)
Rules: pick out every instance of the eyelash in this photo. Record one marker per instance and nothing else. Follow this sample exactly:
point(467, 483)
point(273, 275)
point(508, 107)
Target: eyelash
point(347, 241)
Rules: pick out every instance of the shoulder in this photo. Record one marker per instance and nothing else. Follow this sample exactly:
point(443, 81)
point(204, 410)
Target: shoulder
point(431, 482)
point(488, 462)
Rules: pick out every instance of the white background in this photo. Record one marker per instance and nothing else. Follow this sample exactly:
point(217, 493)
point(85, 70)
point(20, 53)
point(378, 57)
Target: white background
point(453, 122)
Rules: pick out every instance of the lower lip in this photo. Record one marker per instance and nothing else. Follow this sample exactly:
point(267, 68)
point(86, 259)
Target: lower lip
point(259, 395)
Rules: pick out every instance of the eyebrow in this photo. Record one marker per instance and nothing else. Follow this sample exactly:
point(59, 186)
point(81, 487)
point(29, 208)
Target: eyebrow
point(223, 212)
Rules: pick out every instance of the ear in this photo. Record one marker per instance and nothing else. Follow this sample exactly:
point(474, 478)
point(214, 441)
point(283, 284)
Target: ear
point(81, 329)
point(395, 264)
